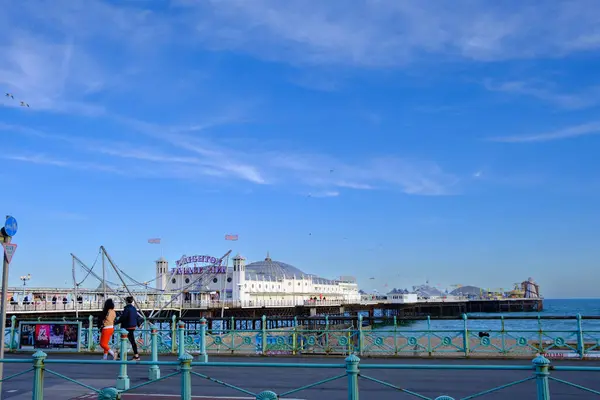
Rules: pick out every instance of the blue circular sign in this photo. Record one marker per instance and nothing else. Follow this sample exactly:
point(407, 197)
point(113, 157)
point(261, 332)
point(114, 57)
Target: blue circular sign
point(10, 226)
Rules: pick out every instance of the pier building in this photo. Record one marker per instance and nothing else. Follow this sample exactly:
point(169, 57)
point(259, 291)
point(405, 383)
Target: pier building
point(266, 281)
point(208, 286)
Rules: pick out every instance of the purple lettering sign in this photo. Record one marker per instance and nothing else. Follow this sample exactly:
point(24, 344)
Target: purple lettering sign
point(198, 259)
point(199, 270)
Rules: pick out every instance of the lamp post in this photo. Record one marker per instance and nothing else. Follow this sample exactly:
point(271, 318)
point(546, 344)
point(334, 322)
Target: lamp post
point(25, 278)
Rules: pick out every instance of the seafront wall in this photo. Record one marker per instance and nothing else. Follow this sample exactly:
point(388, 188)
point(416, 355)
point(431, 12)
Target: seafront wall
point(576, 337)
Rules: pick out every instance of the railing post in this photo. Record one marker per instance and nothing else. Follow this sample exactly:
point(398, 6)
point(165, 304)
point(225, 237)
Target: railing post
point(173, 333)
point(154, 370)
point(13, 322)
point(267, 395)
point(503, 333)
point(295, 336)
point(360, 335)
point(542, 365)
point(352, 372)
point(429, 349)
point(123, 379)
point(263, 326)
point(38, 375)
point(465, 335)
point(580, 342)
point(145, 333)
point(326, 333)
point(203, 355)
point(395, 335)
point(90, 332)
point(185, 366)
point(180, 339)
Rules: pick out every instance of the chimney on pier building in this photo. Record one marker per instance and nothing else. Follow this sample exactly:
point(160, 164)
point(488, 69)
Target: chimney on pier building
point(162, 268)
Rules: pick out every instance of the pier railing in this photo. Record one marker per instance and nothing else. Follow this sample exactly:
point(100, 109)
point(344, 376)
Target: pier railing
point(60, 306)
point(350, 371)
point(576, 337)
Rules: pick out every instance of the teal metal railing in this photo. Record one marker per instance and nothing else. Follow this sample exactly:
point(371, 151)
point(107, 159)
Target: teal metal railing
point(499, 337)
point(351, 371)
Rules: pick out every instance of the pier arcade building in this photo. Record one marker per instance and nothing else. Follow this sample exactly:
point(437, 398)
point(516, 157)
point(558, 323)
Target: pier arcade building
point(266, 281)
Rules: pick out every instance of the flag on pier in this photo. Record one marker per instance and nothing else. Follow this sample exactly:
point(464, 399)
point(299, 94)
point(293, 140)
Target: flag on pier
point(231, 237)
point(154, 241)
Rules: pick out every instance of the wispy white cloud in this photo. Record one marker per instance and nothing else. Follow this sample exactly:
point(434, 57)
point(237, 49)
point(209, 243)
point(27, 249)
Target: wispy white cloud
point(57, 56)
point(43, 159)
point(47, 75)
point(192, 157)
point(591, 128)
point(410, 176)
point(547, 92)
point(388, 32)
point(324, 194)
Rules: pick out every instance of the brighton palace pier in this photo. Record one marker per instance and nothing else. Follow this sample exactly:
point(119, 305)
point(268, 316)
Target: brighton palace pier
point(198, 286)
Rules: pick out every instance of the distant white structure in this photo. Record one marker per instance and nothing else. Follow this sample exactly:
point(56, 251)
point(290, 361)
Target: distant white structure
point(267, 281)
point(401, 297)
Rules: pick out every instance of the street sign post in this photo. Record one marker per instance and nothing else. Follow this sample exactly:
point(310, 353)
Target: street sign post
point(10, 226)
point(9, 230)
point(9, 251)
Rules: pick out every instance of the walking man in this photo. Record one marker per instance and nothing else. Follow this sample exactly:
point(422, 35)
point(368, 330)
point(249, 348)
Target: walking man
point(128, 321)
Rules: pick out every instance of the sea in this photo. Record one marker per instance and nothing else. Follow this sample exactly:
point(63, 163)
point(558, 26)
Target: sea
point(552, 308)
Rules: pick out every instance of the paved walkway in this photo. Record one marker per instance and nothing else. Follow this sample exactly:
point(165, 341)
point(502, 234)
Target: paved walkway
point(431, 383)
point(152, 396)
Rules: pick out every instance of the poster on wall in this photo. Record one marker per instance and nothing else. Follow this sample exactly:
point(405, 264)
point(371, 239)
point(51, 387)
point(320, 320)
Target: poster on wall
point(26, 336)
point(49, 335)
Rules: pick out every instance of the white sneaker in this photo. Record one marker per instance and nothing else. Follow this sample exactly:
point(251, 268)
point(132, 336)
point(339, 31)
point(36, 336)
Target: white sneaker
point(104, 357)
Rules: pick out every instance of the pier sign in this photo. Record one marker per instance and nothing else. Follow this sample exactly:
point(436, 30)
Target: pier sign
point(185, 260)
point(199, 270)
point(10, 226)
point(184, 267)
point(9, 250)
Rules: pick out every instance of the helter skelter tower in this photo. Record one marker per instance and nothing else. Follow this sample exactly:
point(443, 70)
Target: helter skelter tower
point(530, 289)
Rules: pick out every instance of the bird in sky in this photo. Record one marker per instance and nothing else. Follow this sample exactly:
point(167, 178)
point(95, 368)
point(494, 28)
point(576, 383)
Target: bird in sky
point(23, 104)
point(10, 95)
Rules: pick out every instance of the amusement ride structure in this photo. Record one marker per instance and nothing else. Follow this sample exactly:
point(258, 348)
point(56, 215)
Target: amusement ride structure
point(152, 299)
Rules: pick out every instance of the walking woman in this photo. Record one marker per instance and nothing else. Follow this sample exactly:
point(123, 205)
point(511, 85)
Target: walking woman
point(129, 321)
point(107, 320)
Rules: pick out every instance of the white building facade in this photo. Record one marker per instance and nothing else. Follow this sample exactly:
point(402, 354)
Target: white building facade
point(263, 282)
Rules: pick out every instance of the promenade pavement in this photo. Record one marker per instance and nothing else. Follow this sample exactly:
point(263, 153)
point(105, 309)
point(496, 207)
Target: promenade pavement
point(431, 383)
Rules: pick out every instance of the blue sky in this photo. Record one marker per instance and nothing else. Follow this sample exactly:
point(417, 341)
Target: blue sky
point(403, 141)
